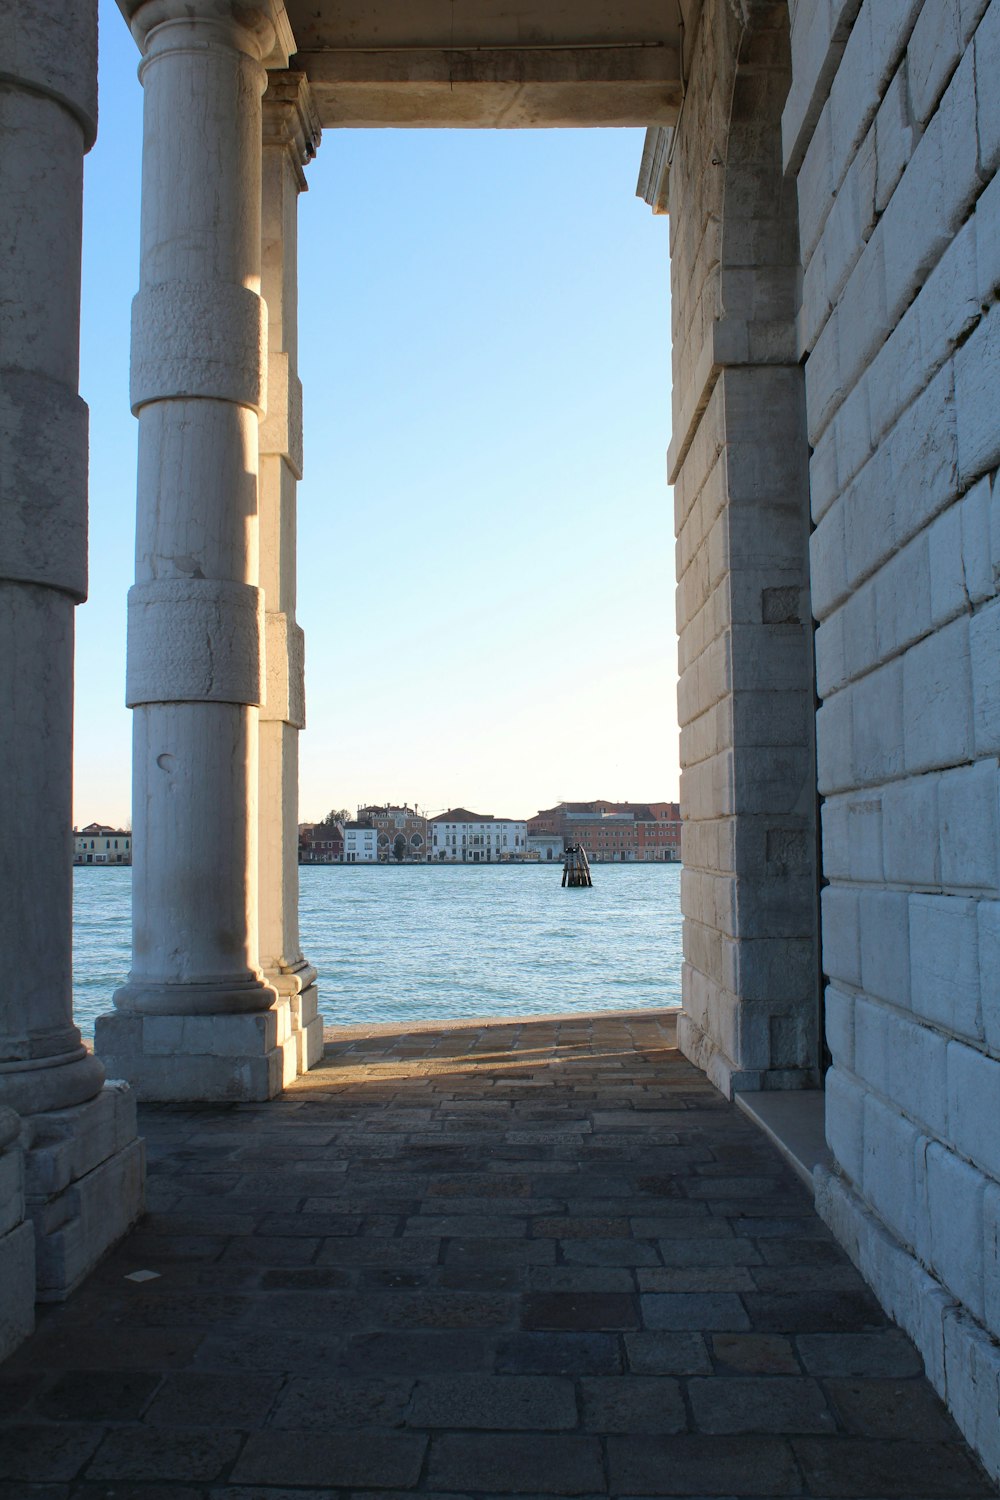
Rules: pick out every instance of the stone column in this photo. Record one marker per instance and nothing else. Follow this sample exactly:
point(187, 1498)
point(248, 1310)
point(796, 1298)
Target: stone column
point(48, 118)
point(196, 1019)
point(291, 136)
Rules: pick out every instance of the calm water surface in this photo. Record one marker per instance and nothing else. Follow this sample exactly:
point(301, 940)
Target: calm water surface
point(418, 943)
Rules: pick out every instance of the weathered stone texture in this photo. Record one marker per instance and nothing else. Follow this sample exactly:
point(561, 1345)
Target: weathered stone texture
point(745, 694)
point(894, 119)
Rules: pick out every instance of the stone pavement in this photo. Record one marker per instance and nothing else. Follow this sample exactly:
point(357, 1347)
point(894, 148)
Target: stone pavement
point(485, 1259)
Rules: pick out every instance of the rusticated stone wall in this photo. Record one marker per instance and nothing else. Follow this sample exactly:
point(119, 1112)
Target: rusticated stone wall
point(892, 128)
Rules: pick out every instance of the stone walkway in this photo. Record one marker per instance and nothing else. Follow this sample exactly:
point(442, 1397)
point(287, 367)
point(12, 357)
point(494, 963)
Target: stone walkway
point(492, 1259)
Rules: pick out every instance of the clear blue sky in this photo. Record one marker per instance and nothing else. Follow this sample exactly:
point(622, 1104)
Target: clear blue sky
point(485, 531)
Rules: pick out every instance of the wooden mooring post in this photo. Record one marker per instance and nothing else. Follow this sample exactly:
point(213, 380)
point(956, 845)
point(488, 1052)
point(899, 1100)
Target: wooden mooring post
point(576, 867)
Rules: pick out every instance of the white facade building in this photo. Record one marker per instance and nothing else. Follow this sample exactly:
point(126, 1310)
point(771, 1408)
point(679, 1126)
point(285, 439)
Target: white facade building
point(99, 844)
point(462, 837)
point(360, 844)
point(546, 847)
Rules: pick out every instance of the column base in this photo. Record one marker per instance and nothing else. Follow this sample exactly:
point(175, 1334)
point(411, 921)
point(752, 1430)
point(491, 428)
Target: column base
point(84, 1176)
point(202, 1059)
point(299, 986)
point(307, 1027)
point(702, 1050)
point(17, 1242)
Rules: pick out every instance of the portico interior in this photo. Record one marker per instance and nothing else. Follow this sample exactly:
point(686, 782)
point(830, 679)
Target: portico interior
point(804, 489)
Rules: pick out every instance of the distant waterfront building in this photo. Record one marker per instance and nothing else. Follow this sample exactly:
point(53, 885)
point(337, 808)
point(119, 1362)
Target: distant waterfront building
point(321, 844)
point(98, 844)
point(545, 847)
point(459, 836)
point(615, 832)
point(360, 843)
point(402, 832)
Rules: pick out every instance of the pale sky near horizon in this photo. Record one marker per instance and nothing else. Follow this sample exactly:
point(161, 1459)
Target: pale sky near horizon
point(485, 528)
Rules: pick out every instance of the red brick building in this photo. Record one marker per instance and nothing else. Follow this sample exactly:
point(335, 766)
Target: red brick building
point(616, 832)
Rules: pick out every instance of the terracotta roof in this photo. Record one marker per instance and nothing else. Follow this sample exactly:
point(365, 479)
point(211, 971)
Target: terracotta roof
point(463, 815)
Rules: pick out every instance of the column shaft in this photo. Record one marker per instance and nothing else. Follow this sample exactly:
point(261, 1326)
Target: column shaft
point(75, 1137)
point(291, 134)
point(196, 1018)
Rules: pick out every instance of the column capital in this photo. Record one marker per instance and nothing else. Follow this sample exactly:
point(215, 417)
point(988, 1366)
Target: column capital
point(263, 24)
point(291, 119)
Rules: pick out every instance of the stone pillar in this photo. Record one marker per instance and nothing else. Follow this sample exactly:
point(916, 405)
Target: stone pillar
point(291, 136)
point(17, 1241)
point(196, 1019)
point(48, 117)
point(738, 462)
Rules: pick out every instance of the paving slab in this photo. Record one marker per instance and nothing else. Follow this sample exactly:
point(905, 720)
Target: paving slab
point(474, 1261)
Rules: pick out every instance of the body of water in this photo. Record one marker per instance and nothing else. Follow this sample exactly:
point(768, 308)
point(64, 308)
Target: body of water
point(419, 943)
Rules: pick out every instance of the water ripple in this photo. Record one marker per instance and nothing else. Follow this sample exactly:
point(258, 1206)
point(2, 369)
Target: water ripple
point(425, 943)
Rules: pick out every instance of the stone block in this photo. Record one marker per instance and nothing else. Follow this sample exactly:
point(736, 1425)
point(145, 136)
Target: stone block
point(17, 1287)
point(932, 55)
point(944, 963)
point(977, 371)
point(987, 227)
point(974, 1105)
point(984, 646)
point(973, 1384)
point(11, 1185)
point(878, 724)
point(893, 1170)
point(893, 140)
point(935, 193)
point(896, 376)
point(937, 699)
point(824, 480)
point(967, 811)
point(864, 839)
point(885, 945)
point(845, 1122)
point(816, 54)
point(945, 545)
point(910, 831)
point(825, 387)
point(64, 1145)
point(834, 743)
point(864, 321)
point(860, 631)
point(903, 599)
point(212, 1036)
point(852, 431)
point(222, 1057)
point(836, 860)
point(955, 1201)
point(991, 1257)
point(75, 1229)
point(815, 185)
point(903, 1061)
point(988, 918)
point(870, 514)
point(986, 52)
point(841, 934)
point(838, 1015)
point(828, 563)
point(854, 92)
point(922, 458)
point(948, 304)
